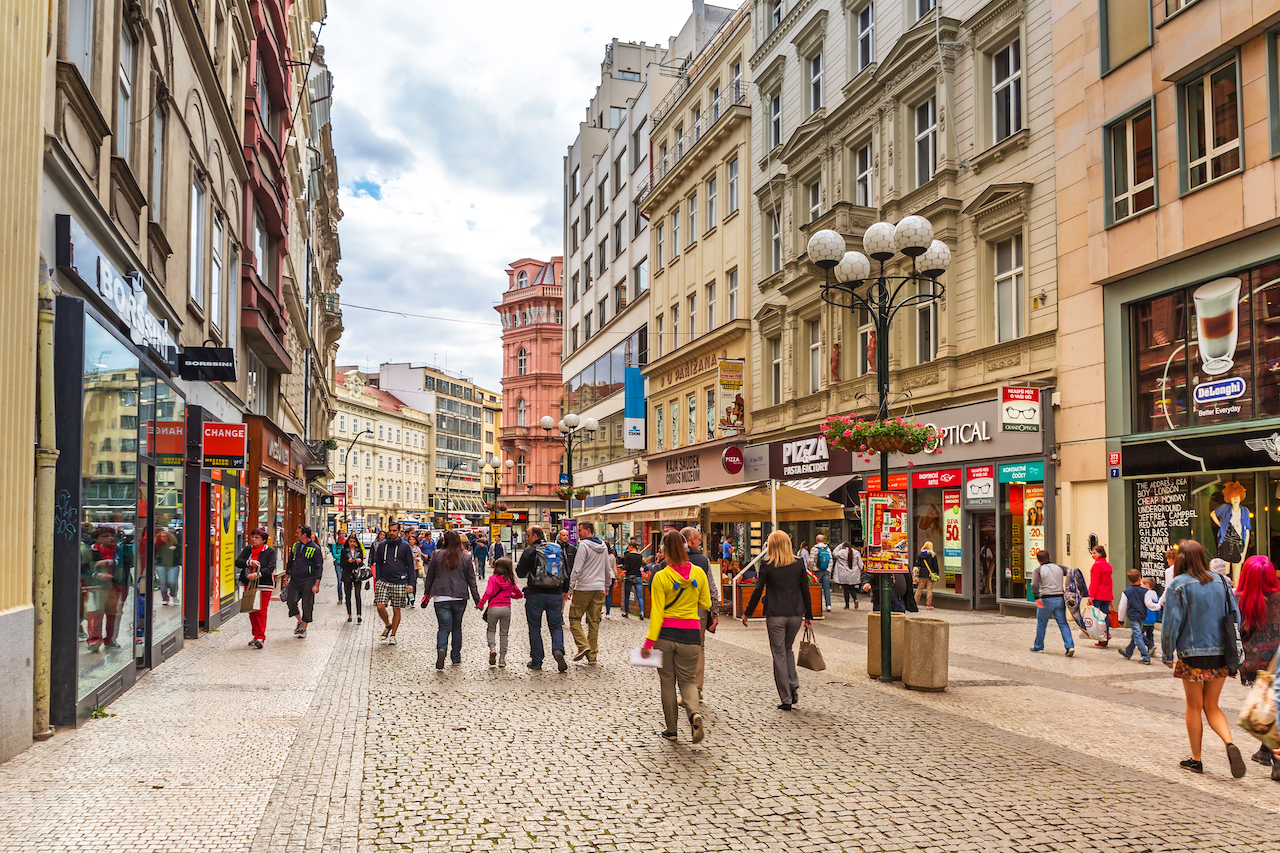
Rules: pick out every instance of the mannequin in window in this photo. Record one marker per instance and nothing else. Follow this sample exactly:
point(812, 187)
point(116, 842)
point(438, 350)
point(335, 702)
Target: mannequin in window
point(1234, 523)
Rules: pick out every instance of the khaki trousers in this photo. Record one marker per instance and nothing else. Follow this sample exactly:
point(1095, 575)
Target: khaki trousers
point(679, 665)
point(588, 604)
point(924, 591)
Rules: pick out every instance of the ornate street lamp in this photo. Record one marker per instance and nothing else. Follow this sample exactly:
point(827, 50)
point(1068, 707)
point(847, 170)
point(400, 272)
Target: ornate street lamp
point(882, 296)
point(346, 499)
point(573, 432)
point(494, 466)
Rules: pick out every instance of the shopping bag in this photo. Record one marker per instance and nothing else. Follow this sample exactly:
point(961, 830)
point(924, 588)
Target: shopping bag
point(810, 657)
point(1258, 715)
point(1093, 622)
point(249, 599)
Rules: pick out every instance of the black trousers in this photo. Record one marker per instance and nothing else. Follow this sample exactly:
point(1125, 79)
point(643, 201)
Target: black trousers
point(850, 591)
point(352, 589)
point(301, 591)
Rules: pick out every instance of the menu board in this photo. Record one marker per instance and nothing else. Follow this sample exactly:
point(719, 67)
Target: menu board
point(1164, 513)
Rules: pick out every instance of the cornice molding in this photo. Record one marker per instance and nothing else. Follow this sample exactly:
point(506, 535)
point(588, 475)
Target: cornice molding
point(774, 39)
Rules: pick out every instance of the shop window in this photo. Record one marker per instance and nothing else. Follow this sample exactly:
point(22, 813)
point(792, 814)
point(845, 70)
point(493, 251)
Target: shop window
point(1022, 525)
point(693, 419)
point(711, 414)
point(937, 523)
point(1167, 510)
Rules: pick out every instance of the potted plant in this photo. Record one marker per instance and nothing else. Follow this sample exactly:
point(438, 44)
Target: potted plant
point(891, 435)
point(564, 493)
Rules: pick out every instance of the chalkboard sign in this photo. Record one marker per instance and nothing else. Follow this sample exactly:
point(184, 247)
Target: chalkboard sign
point(1164, 513)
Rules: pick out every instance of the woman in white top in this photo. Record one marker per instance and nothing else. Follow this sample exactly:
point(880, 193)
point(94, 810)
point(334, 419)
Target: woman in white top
point(846, 570)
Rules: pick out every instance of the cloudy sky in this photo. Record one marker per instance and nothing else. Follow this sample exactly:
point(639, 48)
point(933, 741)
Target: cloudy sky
point(451, 121)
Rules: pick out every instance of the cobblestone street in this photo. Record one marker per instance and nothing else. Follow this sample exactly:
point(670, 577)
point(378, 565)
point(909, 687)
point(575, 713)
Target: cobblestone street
point(342, 743)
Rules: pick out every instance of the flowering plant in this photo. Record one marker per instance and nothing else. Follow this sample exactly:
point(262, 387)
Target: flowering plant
point(496, 506)
point(564, 493)
point(864, 437)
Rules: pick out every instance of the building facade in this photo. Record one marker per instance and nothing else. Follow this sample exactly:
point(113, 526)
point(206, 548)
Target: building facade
point(532, 313)
point(872, 111)
point(1167, 125)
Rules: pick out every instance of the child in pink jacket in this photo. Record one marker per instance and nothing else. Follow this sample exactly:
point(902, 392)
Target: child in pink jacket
point(498, 595)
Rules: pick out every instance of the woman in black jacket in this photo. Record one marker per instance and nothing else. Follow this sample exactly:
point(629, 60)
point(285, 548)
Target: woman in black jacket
point(350, 560)
point(257, 564)
point(785, 583)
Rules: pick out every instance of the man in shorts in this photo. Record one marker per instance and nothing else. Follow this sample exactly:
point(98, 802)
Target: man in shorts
point(393, 581)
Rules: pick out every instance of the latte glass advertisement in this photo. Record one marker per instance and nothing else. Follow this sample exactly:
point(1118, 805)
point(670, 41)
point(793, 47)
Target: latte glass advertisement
point(1205, 354)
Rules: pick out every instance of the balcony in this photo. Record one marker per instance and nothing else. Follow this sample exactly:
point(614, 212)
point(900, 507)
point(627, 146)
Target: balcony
point(546, 291)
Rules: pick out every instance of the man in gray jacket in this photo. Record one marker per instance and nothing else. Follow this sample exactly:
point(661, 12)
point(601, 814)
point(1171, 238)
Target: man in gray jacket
point(709, 618)
point(1048, 585)
point(588, 582)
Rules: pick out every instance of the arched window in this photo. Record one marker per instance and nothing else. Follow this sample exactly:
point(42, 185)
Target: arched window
point(521, 413)
point(522, 361)
point(522, 280)
point(522, 469)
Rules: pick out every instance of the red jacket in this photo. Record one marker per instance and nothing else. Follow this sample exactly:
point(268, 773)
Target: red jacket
point(1100, 581)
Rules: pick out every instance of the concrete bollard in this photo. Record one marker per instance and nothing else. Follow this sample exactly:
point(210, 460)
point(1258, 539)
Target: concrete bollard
point(927, 653)
point(873, 644)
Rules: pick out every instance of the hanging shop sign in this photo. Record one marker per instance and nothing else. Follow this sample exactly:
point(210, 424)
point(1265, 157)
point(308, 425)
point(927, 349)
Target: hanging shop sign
point(225, 445)
point(166, 441)
point(1019, 409)
point(207, 364)
point(756, 467)
point(733, 407)
point(935, 479)
point(123, 294)
point(732, 459)
point(980, 487)
point(633, 409)
point(807, 457)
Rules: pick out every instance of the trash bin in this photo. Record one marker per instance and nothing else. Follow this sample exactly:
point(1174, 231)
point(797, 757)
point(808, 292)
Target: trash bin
point(873, 644)
point(927, 654)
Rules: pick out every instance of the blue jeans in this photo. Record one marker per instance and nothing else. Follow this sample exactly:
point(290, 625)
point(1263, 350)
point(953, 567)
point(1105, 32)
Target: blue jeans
point(637, 583)
point(480, 568)
point(1138, 641)
point(536, 604)
point(608, 598)
point(824, 578)
point(449, 615)
point(1105, 607)
point(1056, 609)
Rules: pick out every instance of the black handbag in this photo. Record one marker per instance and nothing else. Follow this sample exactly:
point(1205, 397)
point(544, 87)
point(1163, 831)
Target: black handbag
point(1232, 648)
point(1231, 548)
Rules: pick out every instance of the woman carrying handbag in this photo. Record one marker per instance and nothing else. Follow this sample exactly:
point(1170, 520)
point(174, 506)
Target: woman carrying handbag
point(257, 564)
point(1258, 594)
point(354, 573)
point(784, 583)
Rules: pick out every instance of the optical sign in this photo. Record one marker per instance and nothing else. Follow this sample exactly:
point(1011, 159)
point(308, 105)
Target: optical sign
point(1019, 409)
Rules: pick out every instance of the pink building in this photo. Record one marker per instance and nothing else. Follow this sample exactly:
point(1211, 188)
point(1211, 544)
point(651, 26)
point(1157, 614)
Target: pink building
point(532, 313)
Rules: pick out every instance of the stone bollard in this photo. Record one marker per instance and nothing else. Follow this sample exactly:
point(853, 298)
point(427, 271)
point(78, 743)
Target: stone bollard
point(873, 644)
point(927, 654)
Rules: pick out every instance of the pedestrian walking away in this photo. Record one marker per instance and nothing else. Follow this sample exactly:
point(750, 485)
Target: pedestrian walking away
point(168, 566)
point(588, 585)
point(1048, 585)
point(480, 554)
point(1196, 633)
point(1258, 596)
point(633, 581)
point(708, 618)
point(820, 563)
point(352, 568)
point(569, 550)
point(680, 591)
point(336, 546)
point(784, 583)
point(926, 571)
point(394, 576)
point(257, 564)
point(1133, 607)
point(305, 566)
point(495, 607)
point(543, 565)
point(803, 555)
point(1101, 593)
point(451, 576)
point(847, 571)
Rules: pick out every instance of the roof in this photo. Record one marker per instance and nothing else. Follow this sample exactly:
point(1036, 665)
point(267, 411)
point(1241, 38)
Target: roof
point(381, 399)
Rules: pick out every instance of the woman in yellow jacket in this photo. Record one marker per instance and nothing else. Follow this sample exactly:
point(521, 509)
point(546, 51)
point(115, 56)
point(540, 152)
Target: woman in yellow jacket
point(679, 589)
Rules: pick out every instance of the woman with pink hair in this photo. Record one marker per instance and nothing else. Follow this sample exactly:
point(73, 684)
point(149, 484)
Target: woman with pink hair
point(1258, 593)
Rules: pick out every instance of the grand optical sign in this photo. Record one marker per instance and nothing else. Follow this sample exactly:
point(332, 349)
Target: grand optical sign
point(123, 294)
point(970, 433)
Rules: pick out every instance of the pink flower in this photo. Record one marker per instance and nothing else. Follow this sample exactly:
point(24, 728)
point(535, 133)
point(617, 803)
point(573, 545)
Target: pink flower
point(848, 433)
point(911, 464)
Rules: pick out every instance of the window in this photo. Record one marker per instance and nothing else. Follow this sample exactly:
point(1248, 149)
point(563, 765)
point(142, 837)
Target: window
point(586, 327)
point(731, 313)
point(659, 425)
point(693, 419)
point(737, 82)
point(619, 296)
point(775, 15)
point(639, 278)
point(661, 342)
point(1211, 116)
point(924, 7)
point(1125, 30)
point(697, 123)
point(675, 234)
point(586, 218)
point(660, 240)
point(926, 140)
point(1133, 185)
point(815, 82)
point(775, 120)
point(602, 256)
point(675, 424)
point(573, 289)
point(866, 342)
point(815, 355)
point(617, 115)
point(693, 219)
point(692, 317)
point(342, 423)
point(1009, 289)
point(633, 76)
point(862, 168)
point(927, 325)
point(1006, 91)
point(618, 174)
point(733, 185)
point(80, 36)
point(573, 338)
point(559, 319)
point(620, 234)
point(775, 241)
point(522, 412)
point(380, 436)
point(522, 280)
point(196, 286)
point(715, 105)
point(124, 104)
point(522, 361)
point(775, 371)
point(602, 310)
point(711, 203)
point(711, 414)
point(711, 306)
point(866, 36)
point(815, 200)
point(679, 143)
point(637, 152)
point(380, 459)
point(662, 152)
point(215, 276)
point(639, 218)
point(157, 164)
point(260, 244)
point(675, 327)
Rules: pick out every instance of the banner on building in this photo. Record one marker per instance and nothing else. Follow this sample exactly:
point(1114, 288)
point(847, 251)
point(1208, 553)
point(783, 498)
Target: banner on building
point(951, 528)
point(733, 407)
point(633, 409)
point(1019, 409)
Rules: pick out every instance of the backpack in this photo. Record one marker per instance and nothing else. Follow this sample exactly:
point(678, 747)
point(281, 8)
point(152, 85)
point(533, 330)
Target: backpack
point(824, 558)
point(549, 570)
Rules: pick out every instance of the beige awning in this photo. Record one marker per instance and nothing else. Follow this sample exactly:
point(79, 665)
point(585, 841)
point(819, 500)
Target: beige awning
point(737, 503)
point(594, 513)
point(820, 486)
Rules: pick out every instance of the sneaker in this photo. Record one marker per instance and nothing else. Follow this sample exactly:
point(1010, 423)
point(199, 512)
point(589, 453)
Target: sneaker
point(358, 620)
point(698, 731)
point(1237, 762)
point(111, 644)
point(257, 644)
point(391, 641)
point(928, 607)
point(1123, 655)
point(493, 657)
point(1147, 661)
point(669, 735)
point(502, 662)
point(303, 633)
point(298, 628)
point(1071, 652)
point(561, 663)
point(1102, 644)
point(251, 642)
point(1192, 765)
point(348, 618)
point(440, 654)
point(536, 666)
point(1037, 650)
point(582, 653)
point(386, 632)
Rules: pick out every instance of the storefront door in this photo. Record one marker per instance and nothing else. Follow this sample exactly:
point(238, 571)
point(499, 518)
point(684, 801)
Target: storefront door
point(983, 551)
point(144, 578)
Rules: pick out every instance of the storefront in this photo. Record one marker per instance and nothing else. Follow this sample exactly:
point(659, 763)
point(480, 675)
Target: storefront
point(118, 589)
point(275, 486)
point(1198, 406)
point(218, 505)
point(811, 465)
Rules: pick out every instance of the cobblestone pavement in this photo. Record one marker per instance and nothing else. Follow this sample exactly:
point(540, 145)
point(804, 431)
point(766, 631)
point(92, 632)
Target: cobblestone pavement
point(354, 745)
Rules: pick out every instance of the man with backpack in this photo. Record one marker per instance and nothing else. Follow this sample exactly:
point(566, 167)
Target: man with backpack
point(1048, 585)
point(394, 580)
point(306, 564)
point(820, 565)
point(543, 564)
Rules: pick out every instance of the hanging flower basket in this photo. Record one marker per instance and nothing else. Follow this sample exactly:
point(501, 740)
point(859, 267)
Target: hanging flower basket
point(495, 506)
point(894, 435)
point(564, 493)
point(581, 493)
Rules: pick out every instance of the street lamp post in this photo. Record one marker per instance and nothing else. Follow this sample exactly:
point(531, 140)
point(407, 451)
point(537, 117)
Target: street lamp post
point(346, 499)
point(882, 297)
point(494, 466)
point(573, 431)
point(447, 481)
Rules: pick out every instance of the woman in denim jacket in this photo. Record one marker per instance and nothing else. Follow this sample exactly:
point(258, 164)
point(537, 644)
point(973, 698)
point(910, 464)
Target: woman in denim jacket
point(1194, 605)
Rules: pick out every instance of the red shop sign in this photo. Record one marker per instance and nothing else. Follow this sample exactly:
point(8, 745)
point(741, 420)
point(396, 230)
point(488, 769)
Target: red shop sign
point(950, 500)
point(732, 459)
point(897, 483)
point(936, 479)
point(225, 445)
point(166, 441)
point(981, 472)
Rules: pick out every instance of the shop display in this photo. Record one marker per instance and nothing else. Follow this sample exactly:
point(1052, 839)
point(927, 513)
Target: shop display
point(1234, 523)
point(1163, 509)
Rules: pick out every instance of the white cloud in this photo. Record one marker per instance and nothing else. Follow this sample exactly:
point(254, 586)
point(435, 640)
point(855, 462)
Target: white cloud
point(458, 115)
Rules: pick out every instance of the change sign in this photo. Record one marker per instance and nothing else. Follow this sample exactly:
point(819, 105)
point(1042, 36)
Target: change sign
point(225, 445)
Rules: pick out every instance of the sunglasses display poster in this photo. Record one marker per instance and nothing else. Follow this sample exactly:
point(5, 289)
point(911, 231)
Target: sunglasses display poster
point(1019, 409)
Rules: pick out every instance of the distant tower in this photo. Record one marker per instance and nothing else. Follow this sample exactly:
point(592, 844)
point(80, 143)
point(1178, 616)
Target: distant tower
point(532, 312)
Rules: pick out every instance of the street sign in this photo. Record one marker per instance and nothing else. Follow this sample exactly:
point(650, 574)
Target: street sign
point(564, 479)
point(1113, 458)
point(1115, 472)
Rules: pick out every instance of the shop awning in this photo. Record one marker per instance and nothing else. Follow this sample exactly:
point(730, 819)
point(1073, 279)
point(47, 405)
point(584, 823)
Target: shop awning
point(594, 512)
point(820, 486)
point(736, 503)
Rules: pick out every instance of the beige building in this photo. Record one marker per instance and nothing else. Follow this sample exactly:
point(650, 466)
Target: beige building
point(1167, 134)
point(700, 246)
point(868, 111)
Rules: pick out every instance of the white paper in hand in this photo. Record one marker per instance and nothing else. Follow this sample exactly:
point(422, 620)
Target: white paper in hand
point(654, 659)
